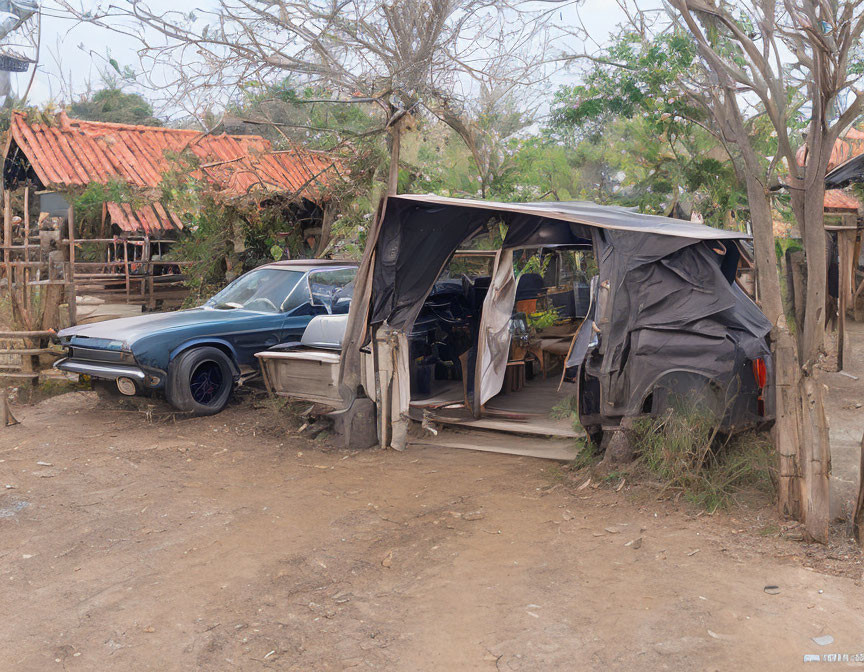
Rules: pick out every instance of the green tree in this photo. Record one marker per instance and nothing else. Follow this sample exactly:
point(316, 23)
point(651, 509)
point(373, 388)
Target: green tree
point(646, 144)
point(113, 105)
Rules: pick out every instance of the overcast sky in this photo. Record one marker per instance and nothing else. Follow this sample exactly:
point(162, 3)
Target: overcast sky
point(74, 55)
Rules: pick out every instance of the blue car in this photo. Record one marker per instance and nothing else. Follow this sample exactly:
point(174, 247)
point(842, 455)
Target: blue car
point(196, 356)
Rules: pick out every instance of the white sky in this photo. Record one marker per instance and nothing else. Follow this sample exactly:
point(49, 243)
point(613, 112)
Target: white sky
point(73, 55)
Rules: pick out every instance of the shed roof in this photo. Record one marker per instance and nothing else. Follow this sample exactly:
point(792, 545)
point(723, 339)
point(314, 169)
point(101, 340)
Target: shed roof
point(589, 214)
point(75, 153)
point(148, 219)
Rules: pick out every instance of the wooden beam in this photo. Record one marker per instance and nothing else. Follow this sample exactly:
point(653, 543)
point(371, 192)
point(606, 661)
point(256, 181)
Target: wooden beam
point(27, 301)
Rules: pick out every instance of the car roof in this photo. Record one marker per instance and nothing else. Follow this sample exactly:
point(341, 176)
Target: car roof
point(310, 264)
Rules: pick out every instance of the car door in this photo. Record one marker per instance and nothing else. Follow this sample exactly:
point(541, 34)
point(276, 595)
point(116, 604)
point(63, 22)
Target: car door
point(282, 316)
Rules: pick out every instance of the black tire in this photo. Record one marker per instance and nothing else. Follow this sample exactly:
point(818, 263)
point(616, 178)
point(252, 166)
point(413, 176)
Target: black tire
point(200, 381)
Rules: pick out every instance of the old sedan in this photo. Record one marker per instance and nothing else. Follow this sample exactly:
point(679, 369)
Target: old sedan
point(196, 356)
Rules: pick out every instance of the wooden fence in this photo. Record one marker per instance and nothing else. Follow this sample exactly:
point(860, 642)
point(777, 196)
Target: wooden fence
point(41, 278)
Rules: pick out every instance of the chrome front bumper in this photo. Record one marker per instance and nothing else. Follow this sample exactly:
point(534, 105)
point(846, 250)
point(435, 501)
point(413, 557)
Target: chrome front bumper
point(98, 370)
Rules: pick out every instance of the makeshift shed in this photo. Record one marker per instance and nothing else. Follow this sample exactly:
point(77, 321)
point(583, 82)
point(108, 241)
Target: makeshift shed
point(665, 289)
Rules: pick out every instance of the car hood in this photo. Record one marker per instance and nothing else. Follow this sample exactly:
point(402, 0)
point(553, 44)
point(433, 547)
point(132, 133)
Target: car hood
point(130, 329)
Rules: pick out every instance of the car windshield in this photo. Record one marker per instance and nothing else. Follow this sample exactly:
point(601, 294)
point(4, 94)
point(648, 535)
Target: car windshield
point(263, 290)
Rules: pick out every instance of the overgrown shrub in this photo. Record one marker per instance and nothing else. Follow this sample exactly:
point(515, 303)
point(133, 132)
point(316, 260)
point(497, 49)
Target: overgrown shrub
point(683, 449)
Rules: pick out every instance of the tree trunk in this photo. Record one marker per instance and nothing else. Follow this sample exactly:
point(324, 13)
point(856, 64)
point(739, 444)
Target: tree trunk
point(815, 460)
point(808, 197)
point(395, 142)
point(787, 432)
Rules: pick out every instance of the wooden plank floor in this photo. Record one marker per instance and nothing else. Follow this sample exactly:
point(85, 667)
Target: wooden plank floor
point(496, 443)
point(533, 404)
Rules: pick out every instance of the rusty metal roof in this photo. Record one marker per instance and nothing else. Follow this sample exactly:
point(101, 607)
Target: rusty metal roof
point(74, 152)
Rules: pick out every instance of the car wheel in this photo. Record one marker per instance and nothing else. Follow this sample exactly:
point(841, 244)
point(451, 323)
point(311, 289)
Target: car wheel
point(200, 381)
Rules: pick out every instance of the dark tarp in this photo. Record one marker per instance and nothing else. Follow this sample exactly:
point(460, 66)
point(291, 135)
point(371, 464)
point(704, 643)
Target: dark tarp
point(420, 233)
point(670, 298)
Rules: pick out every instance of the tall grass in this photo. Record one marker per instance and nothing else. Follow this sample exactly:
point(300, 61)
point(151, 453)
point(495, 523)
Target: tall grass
point(683, 449)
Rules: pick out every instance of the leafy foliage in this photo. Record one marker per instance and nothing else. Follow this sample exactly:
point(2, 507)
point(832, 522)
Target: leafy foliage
point(646, 144)
point(113, 105)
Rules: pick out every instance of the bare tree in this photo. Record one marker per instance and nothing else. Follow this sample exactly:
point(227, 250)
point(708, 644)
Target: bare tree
point(787, 62)
point(399, 57)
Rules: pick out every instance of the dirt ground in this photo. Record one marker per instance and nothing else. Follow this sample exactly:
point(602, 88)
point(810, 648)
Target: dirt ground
point(134, 543)
point(844, 404)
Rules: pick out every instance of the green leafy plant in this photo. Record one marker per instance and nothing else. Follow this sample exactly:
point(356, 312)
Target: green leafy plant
point(543, 319)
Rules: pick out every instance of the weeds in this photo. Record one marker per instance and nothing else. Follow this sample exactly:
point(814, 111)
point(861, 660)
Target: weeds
point(684, 450)
point(567, 409)
point(587, 457)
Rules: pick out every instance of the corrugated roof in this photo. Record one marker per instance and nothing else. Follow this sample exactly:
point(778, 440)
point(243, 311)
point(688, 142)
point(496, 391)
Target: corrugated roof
point(74, 152)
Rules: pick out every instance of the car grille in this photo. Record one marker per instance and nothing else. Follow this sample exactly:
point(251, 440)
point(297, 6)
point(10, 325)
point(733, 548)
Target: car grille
point(99, 355)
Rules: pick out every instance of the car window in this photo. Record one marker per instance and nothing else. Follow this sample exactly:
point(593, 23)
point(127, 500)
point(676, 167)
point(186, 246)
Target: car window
point(332, 286)
point(263, 290)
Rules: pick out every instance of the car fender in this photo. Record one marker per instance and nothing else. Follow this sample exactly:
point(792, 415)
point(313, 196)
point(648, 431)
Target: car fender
point(693, 379)
point(220, 343)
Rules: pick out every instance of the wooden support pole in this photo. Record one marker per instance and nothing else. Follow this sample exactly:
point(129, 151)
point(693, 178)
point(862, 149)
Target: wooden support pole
point(6, 417)
point(7, 237)
point(7, 225)
point(27, 299)
point(71, 295)
point(126, 267)
point(845, 267)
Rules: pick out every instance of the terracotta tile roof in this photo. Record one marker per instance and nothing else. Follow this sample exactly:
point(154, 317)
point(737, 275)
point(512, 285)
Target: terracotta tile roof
point(838, 199)
point(149, 219)
point(845, 148)
point(75, 152)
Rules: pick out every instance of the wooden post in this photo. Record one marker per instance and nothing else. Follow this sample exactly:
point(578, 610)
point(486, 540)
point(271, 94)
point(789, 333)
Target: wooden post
point(126, 266)
point(145, 266)
point(6, 417)
point(858, 515)
point(7, 225)
point(71, 295)
point(845, 267)
point(27, 301)
point(798, 266)
point(7, 239)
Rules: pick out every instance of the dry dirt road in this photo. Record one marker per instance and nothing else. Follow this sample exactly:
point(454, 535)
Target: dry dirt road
point(206, 544)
